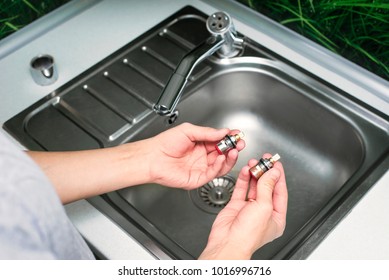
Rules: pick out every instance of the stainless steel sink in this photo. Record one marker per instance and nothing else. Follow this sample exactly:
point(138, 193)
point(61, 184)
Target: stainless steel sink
point(332, 147)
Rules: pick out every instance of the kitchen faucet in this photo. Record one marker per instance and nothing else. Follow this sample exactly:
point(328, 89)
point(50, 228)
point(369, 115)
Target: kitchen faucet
point(223, 39)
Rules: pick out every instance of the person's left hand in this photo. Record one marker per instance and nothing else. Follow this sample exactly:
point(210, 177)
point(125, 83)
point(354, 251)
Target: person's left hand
point(185, 156)
point(243, 225)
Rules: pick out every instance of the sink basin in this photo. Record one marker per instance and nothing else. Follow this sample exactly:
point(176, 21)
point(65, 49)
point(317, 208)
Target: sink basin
point(333, 148)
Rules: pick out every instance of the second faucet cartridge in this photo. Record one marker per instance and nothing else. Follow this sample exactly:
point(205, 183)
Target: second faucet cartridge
point(263, 165)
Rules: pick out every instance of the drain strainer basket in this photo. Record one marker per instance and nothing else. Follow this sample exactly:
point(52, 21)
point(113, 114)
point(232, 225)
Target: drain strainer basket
point(213, 196)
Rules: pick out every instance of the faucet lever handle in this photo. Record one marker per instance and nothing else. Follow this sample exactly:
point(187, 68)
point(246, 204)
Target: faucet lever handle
point(223, 39)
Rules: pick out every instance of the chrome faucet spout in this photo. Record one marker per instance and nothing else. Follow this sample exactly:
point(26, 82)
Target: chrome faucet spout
point(223, 40)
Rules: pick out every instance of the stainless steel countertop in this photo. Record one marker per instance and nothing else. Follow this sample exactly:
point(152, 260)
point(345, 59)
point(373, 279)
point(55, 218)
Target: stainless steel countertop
point(84, 32)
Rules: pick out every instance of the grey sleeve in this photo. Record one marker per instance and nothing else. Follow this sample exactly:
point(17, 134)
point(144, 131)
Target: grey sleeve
point(33, 222)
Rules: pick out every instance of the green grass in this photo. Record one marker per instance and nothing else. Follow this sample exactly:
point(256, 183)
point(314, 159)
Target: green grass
point(15, 14)
point(356, 29)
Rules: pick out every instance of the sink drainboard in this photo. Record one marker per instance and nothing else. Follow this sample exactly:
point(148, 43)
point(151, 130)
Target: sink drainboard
point(108, 103)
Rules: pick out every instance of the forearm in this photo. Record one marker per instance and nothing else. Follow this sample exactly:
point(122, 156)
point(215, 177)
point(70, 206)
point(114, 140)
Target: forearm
point(82, 174)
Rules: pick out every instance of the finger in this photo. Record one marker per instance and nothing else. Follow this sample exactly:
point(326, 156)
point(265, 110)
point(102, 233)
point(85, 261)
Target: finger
point(211, 156)
point(215, 168)
point(266, 155)
point(242, 183)
point(202, 133)
point(240, 145)
point(231, 159)
point(234, 131)
point(266, 185)
point(280, 194)
point(252, 162)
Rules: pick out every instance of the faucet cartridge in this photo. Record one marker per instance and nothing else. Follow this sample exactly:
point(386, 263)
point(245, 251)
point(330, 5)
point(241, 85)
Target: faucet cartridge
point(228, 143)
point(263, 165)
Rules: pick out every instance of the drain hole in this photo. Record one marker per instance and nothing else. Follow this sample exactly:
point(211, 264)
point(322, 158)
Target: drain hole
point(213, 196)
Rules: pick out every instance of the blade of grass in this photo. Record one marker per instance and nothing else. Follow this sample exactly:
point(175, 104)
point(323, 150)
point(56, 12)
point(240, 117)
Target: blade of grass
point(31, 6)
point(10, 25)
point(300, 13)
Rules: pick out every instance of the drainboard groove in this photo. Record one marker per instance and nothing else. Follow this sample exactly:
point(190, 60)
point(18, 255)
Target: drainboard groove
point(96, 94)
point(143, 72)
point(177, 40)
point(133, 93)
point(158, 57)
point(68, 111)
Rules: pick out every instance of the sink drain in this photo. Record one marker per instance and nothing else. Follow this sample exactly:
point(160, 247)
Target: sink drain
point(213, 196)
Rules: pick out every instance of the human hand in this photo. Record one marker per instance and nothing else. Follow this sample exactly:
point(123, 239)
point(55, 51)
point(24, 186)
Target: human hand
point(244, 226)
point(185, 156)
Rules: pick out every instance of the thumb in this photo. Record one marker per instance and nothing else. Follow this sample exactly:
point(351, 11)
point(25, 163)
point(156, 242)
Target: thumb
point(266, 184)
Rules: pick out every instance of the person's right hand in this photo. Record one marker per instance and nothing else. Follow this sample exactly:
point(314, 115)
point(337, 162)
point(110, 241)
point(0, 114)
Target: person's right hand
point(244, 226)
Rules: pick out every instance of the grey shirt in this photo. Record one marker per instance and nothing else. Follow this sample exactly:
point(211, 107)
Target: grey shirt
point(33, 222)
